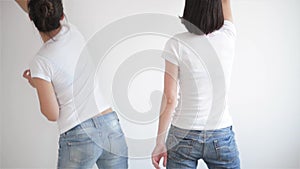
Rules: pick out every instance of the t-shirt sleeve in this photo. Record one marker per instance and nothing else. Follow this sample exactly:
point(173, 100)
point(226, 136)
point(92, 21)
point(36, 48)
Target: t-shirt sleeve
point(170, 52)
point(229, 29)
point(40, 68)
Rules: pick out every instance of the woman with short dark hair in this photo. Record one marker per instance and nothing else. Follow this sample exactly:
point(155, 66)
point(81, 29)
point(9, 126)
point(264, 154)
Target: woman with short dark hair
point(196, 132)
point(90, 132)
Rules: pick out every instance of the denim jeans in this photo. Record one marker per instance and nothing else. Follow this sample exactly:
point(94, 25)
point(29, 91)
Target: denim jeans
point(217, 148)
point(99, 140)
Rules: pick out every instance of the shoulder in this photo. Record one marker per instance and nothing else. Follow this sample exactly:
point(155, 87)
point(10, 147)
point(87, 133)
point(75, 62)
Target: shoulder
point(39, 60)
point(75, 38)
point(41, 67)
point(183, 36)
point(229, 29)
point(229, 24)
point(179, 38)
point(75, 31)
point(68, 33)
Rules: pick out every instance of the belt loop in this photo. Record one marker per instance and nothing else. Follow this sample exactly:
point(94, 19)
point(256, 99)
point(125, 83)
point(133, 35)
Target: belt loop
point(95, 122)
point(205, 135)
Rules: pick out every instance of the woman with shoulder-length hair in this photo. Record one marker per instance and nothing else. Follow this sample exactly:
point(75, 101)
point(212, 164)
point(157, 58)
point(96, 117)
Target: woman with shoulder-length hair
point(90, 132)
point(190, 137)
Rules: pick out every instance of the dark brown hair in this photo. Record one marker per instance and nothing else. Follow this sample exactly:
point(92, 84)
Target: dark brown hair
point(46, 14)
point(203, 16)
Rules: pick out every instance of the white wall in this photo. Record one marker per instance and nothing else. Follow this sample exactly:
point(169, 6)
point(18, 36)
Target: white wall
point(27, 139)
point(265, 88)
point(264, 94)
point(1, 77)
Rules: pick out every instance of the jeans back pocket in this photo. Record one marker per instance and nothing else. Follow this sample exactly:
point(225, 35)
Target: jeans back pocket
point(82, 150)
point(226, 148)
point(179, 149)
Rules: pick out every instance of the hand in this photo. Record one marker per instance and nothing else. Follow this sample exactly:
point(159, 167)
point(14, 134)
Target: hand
point(27, 75)
point(23, 4)
point(160, 151)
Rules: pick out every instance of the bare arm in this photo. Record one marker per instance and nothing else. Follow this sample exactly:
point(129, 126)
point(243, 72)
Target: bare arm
point(168, 101)
point(23, 4)
point(47, 98)
point(227, 10)
point(168, 104)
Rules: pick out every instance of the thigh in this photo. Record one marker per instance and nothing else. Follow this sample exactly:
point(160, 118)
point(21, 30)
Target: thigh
point(182, 164)
point(112, 161)
point(180, 153)
point(78, 150)
point(223, 153)
point(115, 153)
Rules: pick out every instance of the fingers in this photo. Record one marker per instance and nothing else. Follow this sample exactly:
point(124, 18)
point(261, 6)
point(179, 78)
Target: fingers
point(158, 153)
point(27, 74)
point(165, 159)
point(155, 161)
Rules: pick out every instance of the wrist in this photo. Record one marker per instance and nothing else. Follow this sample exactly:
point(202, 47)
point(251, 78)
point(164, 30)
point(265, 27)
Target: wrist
point(160, 142)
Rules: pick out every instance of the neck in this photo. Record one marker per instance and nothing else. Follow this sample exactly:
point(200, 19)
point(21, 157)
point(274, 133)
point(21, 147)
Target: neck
point(48, 36)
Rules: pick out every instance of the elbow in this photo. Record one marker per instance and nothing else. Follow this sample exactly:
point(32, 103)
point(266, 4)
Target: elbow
point(51, 116)
point(168, 106)
point(52, 119)
point(171, 100)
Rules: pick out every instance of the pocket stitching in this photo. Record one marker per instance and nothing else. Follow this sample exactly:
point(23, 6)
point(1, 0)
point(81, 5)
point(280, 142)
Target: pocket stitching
point(79, 142)
point(111, 139)
point(177, 147)
point(218, 149)
point(89, 155)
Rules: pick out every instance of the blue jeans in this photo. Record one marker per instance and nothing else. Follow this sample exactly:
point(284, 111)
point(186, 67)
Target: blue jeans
point(99, 140)
point(217, 148)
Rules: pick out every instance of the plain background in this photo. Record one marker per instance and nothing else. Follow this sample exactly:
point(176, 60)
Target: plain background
point(264, 95)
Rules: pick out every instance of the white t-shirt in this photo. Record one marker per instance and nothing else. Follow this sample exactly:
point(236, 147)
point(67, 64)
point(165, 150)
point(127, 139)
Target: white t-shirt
point(196, 91)
point(65, 62)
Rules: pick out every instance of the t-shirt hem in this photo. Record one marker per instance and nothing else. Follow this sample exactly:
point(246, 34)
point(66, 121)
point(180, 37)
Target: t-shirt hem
point(170, 59)
point(81, 119)
point(221, 126)
point(40, 76)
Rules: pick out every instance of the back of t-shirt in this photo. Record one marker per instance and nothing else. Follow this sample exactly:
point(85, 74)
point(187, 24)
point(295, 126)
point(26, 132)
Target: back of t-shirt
point(65, 62)
point(204, 63)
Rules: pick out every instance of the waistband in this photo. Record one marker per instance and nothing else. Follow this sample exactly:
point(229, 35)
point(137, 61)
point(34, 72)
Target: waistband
point(195, 133)
point(100, 120)
point(97, 122)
